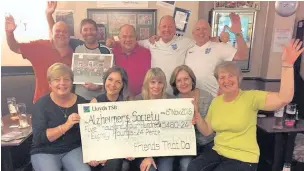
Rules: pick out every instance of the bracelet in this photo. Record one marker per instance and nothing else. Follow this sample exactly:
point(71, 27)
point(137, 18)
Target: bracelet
point(62, 133)
point(286, 66)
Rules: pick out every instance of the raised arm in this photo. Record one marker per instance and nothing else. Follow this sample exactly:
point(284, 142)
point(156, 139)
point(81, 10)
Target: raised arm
point(10, 27)
point(276, 100)
point(202, 124)
point(242, 52)
point(51, 7)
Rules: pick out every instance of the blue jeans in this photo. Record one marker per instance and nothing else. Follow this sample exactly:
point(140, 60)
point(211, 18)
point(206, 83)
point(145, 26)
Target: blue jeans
point(162, 163)
point(211, 161)
point(70, 161)
point(184, 162)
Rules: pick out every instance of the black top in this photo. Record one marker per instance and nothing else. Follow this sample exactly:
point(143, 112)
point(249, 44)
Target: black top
point(103, 98)
point(46, 115)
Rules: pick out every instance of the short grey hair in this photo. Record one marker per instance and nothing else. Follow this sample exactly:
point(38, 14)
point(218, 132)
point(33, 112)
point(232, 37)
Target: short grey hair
point(57, 70)
point(230, 67)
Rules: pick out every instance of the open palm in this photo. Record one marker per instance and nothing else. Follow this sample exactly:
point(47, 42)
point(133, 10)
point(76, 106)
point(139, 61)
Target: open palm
point(10, 25)
point(235, 23)
point(292, 51)
point(51, 6)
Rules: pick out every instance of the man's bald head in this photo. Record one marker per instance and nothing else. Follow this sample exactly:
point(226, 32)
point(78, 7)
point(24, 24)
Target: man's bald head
point(167, 28)
point(62, 25)
point(127, 38)
point(167, 18)
point(202, 22)
point(60, 34)
point(127, 28)
point(201, 32)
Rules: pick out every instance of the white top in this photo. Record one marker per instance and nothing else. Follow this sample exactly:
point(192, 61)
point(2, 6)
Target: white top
point(203, 60)
point(168, 56)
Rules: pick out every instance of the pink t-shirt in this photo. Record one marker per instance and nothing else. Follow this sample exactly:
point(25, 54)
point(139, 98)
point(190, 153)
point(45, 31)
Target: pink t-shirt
point(136, 65)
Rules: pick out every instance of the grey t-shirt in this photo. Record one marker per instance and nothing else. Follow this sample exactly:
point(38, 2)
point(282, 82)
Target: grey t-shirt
point(204, 101)
point(79, 89)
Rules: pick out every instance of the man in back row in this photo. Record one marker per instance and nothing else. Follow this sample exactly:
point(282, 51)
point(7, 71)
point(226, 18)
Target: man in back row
point(134, 59)
point(202, 55)
point(88, 31)
point(206, 54)
point(42, 53)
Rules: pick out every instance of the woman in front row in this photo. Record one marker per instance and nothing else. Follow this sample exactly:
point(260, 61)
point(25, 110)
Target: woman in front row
point(183, 83)
point(154, 87)
point(56, 133)
point(115, 83)
point(233, 116)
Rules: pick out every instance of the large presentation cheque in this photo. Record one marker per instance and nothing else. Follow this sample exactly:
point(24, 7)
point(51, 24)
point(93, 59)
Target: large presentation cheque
point(143, 128)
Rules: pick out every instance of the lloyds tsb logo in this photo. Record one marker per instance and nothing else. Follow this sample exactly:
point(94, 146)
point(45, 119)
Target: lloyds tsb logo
point(86, 109)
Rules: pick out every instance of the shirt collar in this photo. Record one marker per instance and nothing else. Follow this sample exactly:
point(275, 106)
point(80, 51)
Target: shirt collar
point(133, 51)
point(204, 46)
point(69, 53)
point(162, 43)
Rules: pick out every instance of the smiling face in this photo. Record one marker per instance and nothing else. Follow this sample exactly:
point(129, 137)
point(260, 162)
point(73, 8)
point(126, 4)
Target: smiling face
point(89, 33)
point(127, 38)
point(167, 28)
point(114, 84)
point(183, 82)
point(228, 82)
point(156, 86)
point(201, 32)
point(61, 85)
point(60, 34)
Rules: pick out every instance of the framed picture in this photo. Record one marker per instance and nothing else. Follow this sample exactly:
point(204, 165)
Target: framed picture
point(101, 33)
point(66, 16)
point(181, 17)
point(89, 67)
point(237, 4)
point(110, 20)
point(144, 33)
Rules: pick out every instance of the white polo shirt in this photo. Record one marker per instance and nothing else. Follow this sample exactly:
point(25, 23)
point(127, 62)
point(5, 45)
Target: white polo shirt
point(203, 60)
point(168, 56)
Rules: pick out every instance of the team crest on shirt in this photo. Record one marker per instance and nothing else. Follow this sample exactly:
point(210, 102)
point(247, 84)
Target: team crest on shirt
point(208, 50)
point(174, 46)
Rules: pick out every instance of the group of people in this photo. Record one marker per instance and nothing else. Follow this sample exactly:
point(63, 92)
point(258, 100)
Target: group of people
point(164, 66)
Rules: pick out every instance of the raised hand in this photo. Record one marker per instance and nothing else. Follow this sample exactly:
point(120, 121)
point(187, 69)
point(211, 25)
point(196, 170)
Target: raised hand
point(291, 52)
point(51, 6)
point(153, 39)
point(10, 24)
point(235, 23)
point(110, 42)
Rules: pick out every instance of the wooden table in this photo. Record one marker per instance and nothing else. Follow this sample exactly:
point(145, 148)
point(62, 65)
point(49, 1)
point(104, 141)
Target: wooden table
point(266, 124)
point(7, 164)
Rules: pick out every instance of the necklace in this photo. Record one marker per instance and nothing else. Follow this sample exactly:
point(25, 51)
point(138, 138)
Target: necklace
point(64, 112)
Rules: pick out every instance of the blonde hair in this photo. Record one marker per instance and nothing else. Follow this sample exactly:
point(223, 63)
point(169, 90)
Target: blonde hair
point(228, 67)
point(57, 70)
point(156, 73)
point(174, 75)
